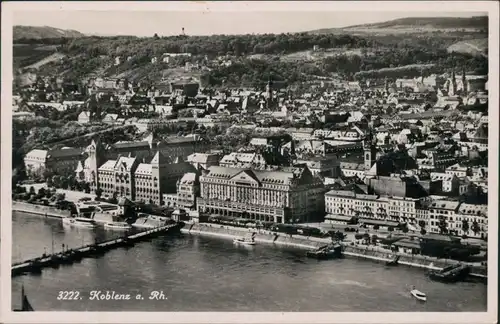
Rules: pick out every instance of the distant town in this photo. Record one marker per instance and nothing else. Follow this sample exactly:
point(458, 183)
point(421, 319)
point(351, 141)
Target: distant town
point(423, 167)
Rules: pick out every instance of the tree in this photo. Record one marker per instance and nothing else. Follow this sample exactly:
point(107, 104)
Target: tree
point(98, 193)
point(465, 226)
point(41, 192)
point(64, 183)
point(390, 229)
point(49, 182)
point(423, 231)
point(421, 223)
point(443, 225)
point(32, 190)
point(475, 227)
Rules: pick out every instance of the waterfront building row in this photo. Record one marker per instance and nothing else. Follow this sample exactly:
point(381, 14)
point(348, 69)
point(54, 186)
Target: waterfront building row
point(433, 215)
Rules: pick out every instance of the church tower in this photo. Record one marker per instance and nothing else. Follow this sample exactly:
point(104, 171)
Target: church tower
point(97, 157)
point(369, 149)
point(269, 93)
point(453, 83)
point(464, 83)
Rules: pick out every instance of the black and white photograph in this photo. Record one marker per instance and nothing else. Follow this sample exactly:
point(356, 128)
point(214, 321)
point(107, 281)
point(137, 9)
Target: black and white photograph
point(226, 157)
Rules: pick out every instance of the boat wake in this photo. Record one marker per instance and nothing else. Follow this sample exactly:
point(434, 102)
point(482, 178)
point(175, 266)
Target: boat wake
point(352, 283)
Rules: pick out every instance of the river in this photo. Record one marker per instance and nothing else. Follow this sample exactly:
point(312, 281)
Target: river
point(199, 273)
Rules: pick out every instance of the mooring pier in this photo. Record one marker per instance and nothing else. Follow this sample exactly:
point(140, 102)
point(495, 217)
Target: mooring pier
point(36, 265)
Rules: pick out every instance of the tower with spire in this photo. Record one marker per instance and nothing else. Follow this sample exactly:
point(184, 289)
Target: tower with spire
point(269, 92)
point(453, 90)
point(464, 83)
point(369, 149)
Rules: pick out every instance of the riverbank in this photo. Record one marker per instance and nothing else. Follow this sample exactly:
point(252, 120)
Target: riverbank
point(372, 253)
point(47, 211)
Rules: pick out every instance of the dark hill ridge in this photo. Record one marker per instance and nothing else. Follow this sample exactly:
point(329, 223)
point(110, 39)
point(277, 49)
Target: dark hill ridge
point(479, 22)
point(39, 32)
point(414, 24)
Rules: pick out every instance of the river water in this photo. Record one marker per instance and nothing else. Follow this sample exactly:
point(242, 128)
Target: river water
point(198, 273)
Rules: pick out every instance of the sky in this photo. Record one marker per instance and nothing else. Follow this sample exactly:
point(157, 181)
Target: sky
point(165, 23)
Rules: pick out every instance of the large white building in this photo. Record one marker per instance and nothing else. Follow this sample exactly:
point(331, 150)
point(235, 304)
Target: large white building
point(292, 194)
point(343, 206)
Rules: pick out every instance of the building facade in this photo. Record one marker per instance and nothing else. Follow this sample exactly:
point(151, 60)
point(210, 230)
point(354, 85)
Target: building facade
point(285, 196)
point(344, 206)
point(61, 161)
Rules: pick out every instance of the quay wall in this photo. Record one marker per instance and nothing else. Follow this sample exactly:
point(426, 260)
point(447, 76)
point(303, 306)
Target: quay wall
point(261, 236)
point(39, 210)
point(371, 253)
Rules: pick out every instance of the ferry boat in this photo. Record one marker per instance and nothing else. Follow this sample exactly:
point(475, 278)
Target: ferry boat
point(79, 222)
point(418, 294)
point(120, 226)
point(145, 221)
point(326, 252)
point(452, 273)
point(244, 240)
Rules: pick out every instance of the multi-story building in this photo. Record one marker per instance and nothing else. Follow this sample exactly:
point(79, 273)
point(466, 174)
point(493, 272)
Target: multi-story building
point(347, 206)
point(450, 182)
point(129, 177)
point(344, 206)
point(61, 161)
point(151, 179)
point(446, 210)
point(180, 146)
point(117, 176)
point(458, 170)
point(188, 189)
point(473, 220)
point(323, 166)
point(243, 160)
point(203, 160)
point(350, 169)
point(175, 149)
point(291, 194)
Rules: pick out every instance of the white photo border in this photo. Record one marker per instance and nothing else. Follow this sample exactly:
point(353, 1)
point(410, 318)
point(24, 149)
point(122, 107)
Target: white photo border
point(8, 316)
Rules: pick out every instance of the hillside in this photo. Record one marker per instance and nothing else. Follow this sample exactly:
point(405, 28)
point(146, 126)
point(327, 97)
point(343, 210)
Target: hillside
point(244, 59)
point(476, 47)
point(414, 25)
point(35, 32)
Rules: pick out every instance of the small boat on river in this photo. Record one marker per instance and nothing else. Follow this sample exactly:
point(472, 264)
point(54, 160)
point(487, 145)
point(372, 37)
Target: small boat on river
point(418, 294)
point(244, 240)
